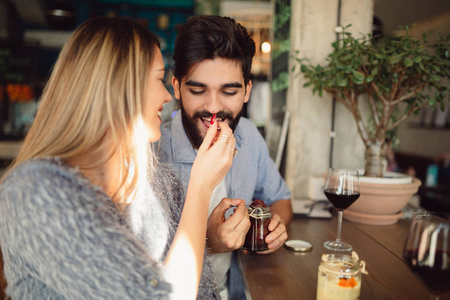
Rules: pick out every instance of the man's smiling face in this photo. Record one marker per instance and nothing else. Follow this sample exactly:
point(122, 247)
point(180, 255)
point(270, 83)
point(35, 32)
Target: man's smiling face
point(212, 86)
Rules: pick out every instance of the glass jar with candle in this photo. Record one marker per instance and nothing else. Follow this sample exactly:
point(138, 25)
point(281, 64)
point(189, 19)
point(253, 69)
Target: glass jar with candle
point(260, 217)
point(340, 277)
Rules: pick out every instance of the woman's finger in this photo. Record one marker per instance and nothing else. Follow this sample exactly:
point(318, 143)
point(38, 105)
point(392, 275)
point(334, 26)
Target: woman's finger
point(225, 129)
point(209, 137)
point(225, 136)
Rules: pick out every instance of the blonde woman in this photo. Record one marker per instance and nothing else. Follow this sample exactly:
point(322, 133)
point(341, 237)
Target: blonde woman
point(67, 206)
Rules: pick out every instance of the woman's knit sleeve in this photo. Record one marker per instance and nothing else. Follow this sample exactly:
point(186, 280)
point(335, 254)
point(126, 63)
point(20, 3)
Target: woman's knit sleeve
point(71, 240)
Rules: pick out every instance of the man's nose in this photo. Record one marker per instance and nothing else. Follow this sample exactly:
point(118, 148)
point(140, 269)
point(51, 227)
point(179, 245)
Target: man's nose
point(213, 104)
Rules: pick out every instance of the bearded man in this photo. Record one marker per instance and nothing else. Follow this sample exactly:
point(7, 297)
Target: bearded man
point(212, 63)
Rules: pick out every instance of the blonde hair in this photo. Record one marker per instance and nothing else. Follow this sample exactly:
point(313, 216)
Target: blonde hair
point(93, 97)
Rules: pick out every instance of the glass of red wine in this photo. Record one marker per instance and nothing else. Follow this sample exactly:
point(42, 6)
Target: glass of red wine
point(341, 189)
point(427, 252)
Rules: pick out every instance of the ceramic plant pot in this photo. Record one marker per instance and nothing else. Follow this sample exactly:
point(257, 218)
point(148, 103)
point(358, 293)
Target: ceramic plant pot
point(382, 199)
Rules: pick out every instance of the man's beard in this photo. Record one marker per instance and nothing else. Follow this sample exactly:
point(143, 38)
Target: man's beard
point(191, 125)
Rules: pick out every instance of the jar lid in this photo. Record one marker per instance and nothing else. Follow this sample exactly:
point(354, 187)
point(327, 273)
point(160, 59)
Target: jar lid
point(298, 245)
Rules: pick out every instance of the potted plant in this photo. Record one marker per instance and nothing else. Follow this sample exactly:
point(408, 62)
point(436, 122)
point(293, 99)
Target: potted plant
point(395, 78)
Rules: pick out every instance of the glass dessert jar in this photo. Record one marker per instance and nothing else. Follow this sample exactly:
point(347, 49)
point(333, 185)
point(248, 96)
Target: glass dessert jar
point(340, 277)
point(260, 217)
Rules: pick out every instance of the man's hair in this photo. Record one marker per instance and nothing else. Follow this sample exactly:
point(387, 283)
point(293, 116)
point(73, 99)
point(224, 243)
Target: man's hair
point(94, 96)
point(208, 37)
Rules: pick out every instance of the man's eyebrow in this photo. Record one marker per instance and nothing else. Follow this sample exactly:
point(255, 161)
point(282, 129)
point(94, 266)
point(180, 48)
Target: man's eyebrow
point(195, 83)
point(232, 85)
point(226, 85)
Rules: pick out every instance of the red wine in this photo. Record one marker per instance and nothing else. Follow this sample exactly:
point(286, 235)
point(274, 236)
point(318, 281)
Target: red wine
point(435, 275)
point(341, 201)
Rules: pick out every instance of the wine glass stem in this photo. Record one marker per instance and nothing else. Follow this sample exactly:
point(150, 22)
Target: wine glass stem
point(340, 213)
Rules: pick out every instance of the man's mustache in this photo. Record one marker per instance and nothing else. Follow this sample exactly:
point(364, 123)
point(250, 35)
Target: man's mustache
point(206, 114)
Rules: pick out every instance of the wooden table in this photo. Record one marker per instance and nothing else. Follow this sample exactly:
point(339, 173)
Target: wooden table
point(286, 274)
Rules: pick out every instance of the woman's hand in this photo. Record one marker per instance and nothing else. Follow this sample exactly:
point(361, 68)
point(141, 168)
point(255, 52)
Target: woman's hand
point(214, 159)
point(215, 155)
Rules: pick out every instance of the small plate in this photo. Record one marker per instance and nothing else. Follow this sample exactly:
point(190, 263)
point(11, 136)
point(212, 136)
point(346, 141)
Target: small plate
point(298, 245)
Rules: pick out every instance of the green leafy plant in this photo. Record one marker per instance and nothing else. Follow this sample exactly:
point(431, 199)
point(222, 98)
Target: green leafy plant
point(397, 77)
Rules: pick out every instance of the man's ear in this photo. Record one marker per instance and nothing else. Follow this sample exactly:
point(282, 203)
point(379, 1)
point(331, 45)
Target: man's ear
point(248, 89)
point(176, 88)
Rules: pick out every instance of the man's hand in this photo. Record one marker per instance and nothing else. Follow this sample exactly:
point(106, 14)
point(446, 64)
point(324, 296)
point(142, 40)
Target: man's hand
point(227, 235)
point(277, 236)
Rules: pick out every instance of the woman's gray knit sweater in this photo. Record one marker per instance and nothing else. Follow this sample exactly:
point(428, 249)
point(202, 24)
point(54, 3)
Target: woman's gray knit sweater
point(63, 238)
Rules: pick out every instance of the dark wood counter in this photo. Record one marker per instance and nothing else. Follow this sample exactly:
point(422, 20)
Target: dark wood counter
point(285, 274)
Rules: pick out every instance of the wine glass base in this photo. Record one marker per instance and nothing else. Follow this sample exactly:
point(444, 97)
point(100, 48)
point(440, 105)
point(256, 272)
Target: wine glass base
point(337, 246)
